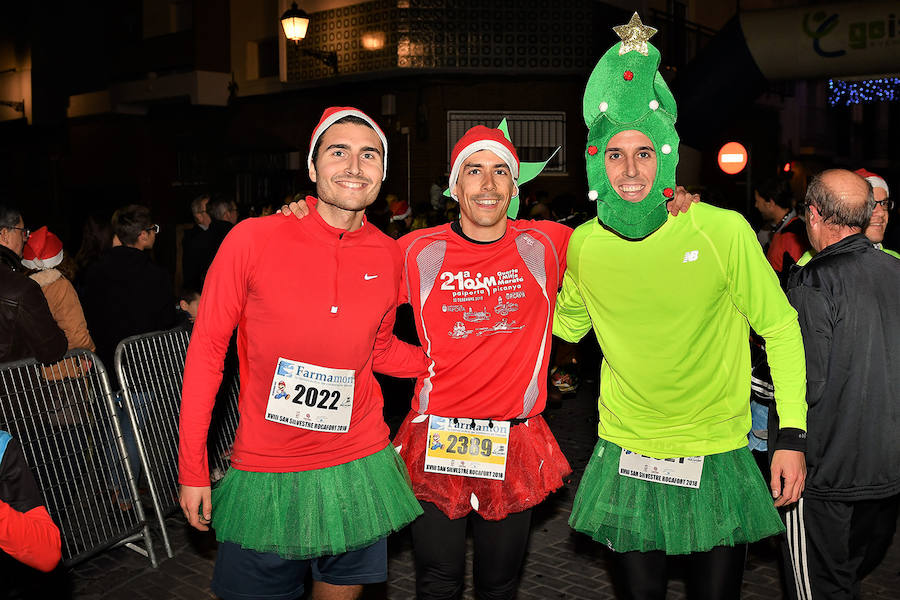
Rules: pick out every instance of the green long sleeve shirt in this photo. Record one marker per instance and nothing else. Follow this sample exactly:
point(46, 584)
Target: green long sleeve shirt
point(672, 314)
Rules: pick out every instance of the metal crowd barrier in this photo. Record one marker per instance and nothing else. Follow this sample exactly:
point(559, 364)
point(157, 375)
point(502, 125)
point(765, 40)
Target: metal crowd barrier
point(66, 420)
point(150, 369)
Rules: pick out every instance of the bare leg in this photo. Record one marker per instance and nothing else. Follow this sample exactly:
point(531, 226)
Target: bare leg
point(328, 591)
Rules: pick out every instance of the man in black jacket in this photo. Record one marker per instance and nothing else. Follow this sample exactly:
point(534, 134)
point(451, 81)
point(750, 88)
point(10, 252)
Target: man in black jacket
point(26, 326)
point(223, 215)
point(125, 293)
point(849, 310)
point(197, 246)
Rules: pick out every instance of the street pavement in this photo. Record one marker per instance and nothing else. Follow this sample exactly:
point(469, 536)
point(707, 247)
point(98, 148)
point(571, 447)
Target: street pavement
point(560, 564)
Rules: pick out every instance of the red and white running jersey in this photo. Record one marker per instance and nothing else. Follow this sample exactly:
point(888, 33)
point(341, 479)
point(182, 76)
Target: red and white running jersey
point(483, 313)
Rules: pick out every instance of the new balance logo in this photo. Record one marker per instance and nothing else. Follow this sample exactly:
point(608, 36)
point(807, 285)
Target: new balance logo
point(691, 256)
point(368, 277)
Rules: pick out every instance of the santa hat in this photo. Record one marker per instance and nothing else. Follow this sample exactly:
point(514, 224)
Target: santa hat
point(336, 113)
point(874, 180)
point(399, 209)
point(483, 138)
point(43, 250)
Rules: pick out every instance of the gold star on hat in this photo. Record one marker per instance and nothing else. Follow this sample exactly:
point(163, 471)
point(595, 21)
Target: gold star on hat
point(634, 35)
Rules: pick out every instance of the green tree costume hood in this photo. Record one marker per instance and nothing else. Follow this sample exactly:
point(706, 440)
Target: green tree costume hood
point(625, 91)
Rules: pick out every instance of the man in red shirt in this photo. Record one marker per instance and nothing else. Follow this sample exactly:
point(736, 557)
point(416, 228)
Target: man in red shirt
point(775, 202)
point(314, 481)
point(482, 291)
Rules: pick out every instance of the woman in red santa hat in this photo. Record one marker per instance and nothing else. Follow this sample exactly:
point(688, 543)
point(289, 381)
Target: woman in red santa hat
point(43, 255)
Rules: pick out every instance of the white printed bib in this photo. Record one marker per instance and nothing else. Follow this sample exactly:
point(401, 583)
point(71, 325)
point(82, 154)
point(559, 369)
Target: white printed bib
point(683, 471)
point(311, 397)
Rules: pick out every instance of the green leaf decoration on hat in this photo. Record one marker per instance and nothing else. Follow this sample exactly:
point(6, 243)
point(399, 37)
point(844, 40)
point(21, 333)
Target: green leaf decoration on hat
point(626, 92)
point(527, 172)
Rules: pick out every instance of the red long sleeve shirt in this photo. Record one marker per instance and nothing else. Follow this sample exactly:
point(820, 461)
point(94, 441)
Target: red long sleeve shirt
point(790, 239)
point(304, 291)
point(27, 533)
point(484, 316)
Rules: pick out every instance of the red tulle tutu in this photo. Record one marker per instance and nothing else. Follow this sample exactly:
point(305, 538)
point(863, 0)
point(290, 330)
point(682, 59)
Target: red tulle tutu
point(534, 468)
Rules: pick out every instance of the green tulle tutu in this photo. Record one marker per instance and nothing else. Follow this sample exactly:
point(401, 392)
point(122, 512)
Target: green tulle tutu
point(732, 506)
point(321, 512)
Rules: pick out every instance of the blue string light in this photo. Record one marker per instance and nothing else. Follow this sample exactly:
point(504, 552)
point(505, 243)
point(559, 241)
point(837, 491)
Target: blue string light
point(885, 89)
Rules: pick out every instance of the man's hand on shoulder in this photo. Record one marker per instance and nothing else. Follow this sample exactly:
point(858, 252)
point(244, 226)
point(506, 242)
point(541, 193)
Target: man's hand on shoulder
point(298, 208)
point(192, 500)
point(682, 201)
point(788, 476)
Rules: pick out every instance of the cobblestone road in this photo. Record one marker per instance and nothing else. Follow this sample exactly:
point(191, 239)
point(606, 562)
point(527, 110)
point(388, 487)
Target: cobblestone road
point(560, 563)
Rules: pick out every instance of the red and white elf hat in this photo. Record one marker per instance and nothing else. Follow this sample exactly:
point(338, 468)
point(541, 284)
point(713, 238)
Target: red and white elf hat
point(483, 138)
point(335, 113)
point(43, 250)
point(876, 181)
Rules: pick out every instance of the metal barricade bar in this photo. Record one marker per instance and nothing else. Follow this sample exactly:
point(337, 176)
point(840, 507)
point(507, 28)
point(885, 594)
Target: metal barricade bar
point(150, 369)
point(65, 418)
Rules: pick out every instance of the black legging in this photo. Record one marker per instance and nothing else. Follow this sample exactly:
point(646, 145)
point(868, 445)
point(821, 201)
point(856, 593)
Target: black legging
point(439, 548)
point(713, 575)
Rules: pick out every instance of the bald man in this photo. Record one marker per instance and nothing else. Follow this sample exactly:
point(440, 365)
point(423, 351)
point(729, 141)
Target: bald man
point(880, 213)
point(849, 309)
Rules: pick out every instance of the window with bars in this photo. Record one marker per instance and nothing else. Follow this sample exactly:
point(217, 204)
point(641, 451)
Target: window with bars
point(535, 134)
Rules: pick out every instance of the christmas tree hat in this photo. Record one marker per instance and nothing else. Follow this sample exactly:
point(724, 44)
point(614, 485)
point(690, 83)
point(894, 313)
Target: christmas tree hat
point(626, 92)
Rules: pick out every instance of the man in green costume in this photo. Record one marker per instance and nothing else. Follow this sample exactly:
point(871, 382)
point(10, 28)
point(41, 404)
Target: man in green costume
point(675, 378)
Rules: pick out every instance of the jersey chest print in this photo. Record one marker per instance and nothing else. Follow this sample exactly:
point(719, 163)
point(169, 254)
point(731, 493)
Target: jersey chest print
point(481, 294)
point(480, 304)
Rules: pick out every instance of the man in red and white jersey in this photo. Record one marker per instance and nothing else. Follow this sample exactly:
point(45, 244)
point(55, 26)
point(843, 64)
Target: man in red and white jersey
point(478, 451)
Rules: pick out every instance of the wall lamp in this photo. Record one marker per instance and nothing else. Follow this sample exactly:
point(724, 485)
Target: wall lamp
point(295, 23)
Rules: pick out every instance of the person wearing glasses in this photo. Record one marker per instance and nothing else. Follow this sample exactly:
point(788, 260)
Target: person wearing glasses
point(126, 293)
point(878, 223)
point(26, 326)
point(849, 313)
point(883, 207)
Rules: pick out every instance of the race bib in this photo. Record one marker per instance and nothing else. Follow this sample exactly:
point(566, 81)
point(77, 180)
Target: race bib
point(465, 449)
point(683, 472)
point(311, 397)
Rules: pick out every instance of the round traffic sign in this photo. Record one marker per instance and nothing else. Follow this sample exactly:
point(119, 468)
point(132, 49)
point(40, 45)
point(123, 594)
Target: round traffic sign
point(732, 158)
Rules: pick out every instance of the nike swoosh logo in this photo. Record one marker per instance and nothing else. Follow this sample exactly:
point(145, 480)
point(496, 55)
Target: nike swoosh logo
point(368, 277)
